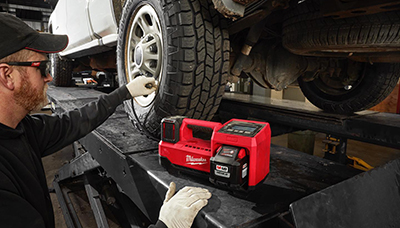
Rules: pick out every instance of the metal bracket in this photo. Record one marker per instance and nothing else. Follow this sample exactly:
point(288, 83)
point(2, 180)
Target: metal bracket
point(70, 216)
point(76, 167)
point(95, 204)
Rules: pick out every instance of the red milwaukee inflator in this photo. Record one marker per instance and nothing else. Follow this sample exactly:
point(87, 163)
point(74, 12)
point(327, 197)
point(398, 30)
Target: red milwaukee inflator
point(233, 155)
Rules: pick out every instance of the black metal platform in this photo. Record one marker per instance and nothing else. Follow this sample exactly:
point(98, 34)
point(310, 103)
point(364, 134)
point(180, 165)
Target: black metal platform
point(131, 159)
point(367, 126)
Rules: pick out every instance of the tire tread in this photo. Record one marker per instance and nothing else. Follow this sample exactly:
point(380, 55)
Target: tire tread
point(62, 70)
point(305, 30)
point(197, 64)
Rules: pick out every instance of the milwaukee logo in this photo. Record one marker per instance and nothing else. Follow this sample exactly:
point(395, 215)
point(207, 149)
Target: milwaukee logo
point(195, 161)
point(222, 168)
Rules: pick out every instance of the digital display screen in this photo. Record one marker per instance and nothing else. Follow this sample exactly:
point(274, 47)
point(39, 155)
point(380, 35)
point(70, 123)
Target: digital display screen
point(244, 128)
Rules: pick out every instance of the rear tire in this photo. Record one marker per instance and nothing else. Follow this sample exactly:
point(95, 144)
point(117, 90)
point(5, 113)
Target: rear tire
point(376, 83)
point(61, 70)
point(190, 60)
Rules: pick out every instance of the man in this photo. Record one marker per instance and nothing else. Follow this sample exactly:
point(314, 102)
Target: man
point(24, 138)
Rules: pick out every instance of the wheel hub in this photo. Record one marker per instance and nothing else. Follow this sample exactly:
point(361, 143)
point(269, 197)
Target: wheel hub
point(144, 49)
point(138, 55)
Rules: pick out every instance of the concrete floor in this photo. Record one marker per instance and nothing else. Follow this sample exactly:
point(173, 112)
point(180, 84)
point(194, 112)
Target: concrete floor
point(372, 154)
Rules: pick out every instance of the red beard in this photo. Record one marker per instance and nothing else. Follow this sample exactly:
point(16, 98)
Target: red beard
point(29, 98)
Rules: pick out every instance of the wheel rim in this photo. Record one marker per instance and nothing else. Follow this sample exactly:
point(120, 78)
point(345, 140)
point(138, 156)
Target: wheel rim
point(335, 87)
point(144, 49)
point(330, 86)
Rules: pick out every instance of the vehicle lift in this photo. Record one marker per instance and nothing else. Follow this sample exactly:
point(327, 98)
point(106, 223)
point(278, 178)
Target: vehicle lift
point(118, 166)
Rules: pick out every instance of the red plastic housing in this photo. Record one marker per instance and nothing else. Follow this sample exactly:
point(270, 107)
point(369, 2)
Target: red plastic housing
point(190, 152)
point(195, 153)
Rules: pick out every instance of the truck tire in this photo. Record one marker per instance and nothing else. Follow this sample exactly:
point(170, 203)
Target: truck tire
point(307, 32)
point(185, 46)
point(375, 83)
point(61, 70)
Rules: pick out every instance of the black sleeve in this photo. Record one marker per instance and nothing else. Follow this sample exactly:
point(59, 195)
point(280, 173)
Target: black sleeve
point(54, 132)
point(159, 224)
point(16, 212)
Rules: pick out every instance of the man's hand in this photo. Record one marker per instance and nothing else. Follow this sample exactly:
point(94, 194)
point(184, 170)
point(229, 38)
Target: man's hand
point(142, 85)
point(179, 211)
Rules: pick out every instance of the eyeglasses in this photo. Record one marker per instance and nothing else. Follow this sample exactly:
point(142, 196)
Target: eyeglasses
point(44, 66)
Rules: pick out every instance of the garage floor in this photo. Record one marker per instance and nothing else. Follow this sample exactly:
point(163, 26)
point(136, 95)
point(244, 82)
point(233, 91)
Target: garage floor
point(372, 154)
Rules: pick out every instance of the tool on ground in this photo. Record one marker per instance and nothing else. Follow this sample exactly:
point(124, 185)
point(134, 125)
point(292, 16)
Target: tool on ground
point(235, 155)
point(358, 163)
point(335, 149)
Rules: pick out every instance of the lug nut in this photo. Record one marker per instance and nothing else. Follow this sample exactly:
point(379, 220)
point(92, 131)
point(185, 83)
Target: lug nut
point(153, 48)
point(348, 87)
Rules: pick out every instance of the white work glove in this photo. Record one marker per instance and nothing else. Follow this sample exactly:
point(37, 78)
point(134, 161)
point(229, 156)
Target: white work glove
point(141, 85)
point(179, 211)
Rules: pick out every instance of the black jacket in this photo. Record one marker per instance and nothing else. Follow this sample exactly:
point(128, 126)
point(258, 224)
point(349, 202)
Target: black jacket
point(24, 197)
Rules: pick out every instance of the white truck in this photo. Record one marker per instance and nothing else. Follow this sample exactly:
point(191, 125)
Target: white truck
point(344, 54)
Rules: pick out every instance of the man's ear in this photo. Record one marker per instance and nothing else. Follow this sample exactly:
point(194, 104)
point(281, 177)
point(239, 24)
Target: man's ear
point(5, 76)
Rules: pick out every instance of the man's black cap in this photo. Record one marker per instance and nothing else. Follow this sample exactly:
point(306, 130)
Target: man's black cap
point(16, 35)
